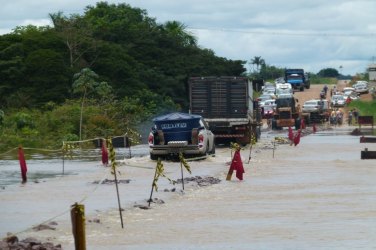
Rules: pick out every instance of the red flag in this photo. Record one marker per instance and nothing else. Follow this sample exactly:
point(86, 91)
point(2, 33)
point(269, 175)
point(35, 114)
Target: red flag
point(21, 158)
point(291, 135)
point(297, 138)
point(314, 128)
point(237, 165)
point(104, 153)
point(302, 124)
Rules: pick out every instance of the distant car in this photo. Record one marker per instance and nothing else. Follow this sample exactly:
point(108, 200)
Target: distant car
point(268, 91)
point(285, 95)
point(283, 88)
point(361, 88)
point(262, 98)
point(176, 133)
point(279, 80)
point(338, 101)
point(315, 105)
point(269, 103)
point(267, 111)
point(350, 92)
point(360, 82)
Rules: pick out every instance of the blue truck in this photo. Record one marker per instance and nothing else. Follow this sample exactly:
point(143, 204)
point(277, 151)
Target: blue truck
point(297, 78)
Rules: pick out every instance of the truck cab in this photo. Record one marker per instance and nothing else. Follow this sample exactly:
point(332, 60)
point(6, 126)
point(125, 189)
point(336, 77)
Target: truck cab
point(297, 78)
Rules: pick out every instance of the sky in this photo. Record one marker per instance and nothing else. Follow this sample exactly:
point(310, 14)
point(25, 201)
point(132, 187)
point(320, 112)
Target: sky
point(312, 35)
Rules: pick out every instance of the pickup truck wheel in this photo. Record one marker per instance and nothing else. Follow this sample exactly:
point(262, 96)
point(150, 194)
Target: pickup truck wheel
point(302, 88)
point(153, 157)
point(274, 124)
point(297, 123)
point(213, 150)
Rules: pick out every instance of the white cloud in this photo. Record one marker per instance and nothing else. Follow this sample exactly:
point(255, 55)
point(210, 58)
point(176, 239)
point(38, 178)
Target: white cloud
point(286, 33)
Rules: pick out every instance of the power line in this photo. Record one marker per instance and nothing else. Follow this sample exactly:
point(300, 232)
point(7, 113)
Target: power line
point(280, 33)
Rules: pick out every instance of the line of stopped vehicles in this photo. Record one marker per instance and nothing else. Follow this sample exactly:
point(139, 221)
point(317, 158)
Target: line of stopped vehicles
point(223, 110)
point(281, 109)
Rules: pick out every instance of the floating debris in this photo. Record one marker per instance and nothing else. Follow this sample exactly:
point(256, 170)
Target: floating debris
point(108, 181)
point(206, 181)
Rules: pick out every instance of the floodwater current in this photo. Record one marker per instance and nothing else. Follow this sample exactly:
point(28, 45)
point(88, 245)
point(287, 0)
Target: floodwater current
point(316, 195)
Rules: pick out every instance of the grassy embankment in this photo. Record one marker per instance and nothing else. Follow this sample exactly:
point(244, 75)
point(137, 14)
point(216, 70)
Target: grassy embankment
point(364, 107)
point(323, 80)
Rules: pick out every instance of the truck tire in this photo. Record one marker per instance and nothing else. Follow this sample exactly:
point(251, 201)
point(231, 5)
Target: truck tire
point(297, 123)
point(274, 124)
point(308, 86)
point(302, 88)
point(153, 157)
point(213, 150)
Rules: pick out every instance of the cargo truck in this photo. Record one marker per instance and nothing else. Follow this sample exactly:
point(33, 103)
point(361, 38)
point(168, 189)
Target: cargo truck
point(297, 78)
point(227, 105)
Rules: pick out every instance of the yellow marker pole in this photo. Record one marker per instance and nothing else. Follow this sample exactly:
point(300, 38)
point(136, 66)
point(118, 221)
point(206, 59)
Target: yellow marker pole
point(152, 185)
point(182, 176)
point(78, 225)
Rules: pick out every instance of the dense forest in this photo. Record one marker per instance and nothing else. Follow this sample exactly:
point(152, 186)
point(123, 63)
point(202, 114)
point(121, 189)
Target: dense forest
point(97, 74)
point(126, 48)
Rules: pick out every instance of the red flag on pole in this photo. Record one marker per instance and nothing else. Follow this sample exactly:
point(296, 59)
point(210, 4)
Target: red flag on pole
point(237, 165)
point(104, 153)
point(21, 158)
point(302, 124)
point(314, 128)
point(297, 138)
point(290, 135)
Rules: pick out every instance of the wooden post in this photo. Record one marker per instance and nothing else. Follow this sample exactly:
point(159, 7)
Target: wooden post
point(273, 147)
point(78, 226)
point(229, 174)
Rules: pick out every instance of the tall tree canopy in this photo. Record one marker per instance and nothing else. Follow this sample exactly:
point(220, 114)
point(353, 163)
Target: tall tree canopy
point(126, 48)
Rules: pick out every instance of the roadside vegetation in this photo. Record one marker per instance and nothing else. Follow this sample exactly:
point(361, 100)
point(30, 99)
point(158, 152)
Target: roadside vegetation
point(104, 73)
point(365, 107)
point(323, 80)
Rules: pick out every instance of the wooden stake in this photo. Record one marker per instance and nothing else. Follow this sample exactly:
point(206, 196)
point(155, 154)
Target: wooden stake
point(78, 226)
point(118, 197)
point(229, 175)
point(273, 148)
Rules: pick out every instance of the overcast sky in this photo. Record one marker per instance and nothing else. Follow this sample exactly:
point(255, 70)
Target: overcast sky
point(312, 35)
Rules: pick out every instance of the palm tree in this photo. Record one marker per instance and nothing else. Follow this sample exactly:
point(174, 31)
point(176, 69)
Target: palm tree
point(178, 30)
point(258, 61)
point(84, 81)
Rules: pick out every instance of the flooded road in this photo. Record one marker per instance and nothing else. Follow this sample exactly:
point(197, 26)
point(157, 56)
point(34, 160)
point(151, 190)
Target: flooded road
point(317, 195)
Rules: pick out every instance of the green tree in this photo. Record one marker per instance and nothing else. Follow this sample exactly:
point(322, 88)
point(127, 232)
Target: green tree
point(258, 61)
point(77, 36)
point(178, 30)
point(84, 81)
point(328, 72)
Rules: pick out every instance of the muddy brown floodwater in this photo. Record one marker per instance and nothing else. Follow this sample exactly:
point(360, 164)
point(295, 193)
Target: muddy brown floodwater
point(316, 195)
